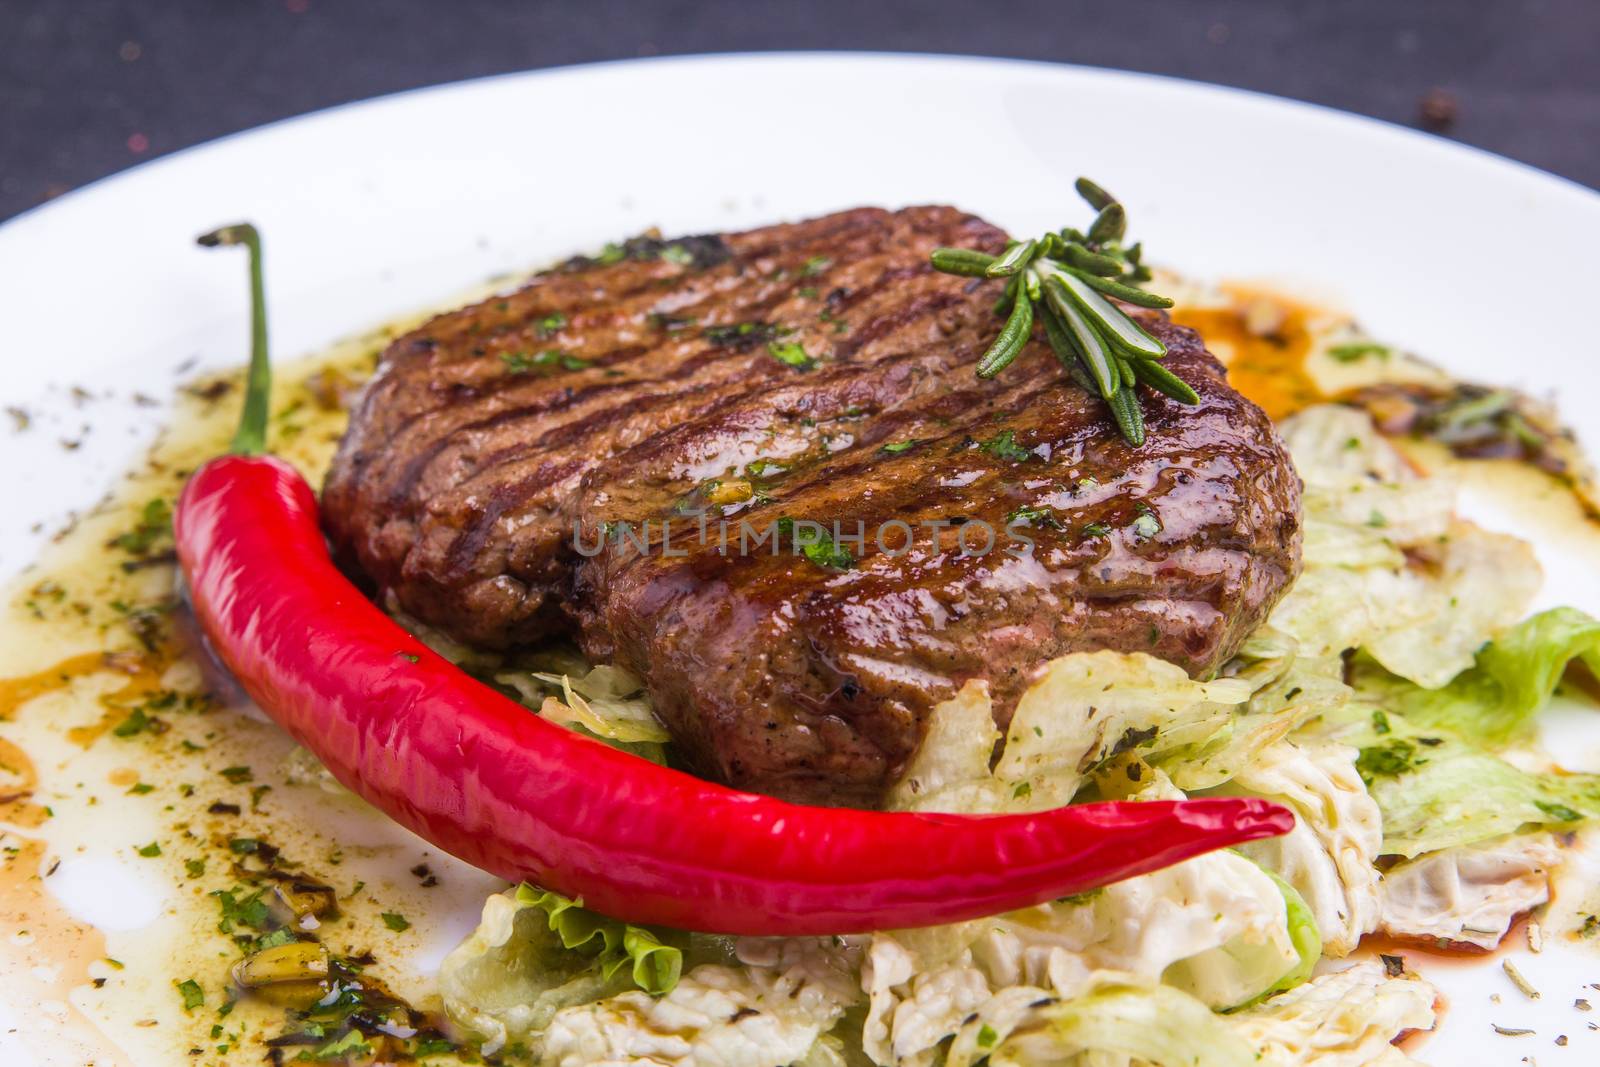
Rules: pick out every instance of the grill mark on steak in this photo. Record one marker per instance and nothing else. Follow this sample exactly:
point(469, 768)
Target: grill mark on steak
point(717, 395)
point(407, 484)
point(459, 484)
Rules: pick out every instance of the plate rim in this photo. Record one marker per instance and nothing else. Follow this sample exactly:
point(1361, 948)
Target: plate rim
point(1467, 154)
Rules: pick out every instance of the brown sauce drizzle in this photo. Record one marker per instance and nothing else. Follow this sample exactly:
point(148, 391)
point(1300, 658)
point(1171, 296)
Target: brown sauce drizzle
point(1266, 362)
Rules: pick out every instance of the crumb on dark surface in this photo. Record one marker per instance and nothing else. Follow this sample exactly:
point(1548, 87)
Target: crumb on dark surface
point(1438, 110)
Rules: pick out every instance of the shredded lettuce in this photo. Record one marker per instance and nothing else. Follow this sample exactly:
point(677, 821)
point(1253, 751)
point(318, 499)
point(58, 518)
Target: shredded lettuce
point(1346, 1018)
point(1379, 703)
point(717, 1016)
point(653, 966)
point(1086, 709)
point(604, 702)
point(1495, 702)
point(1288, 688)
point(535, 953)
point(1437, 791)
point(1388, 567)
point(1124, 1016)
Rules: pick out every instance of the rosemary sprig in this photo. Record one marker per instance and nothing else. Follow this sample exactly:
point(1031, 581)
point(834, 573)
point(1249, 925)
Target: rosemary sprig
point(1062, 280)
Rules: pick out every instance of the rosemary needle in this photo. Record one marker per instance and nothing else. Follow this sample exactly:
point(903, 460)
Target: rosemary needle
point(1062, 280)
point(1013, 336)
point(1013, 261)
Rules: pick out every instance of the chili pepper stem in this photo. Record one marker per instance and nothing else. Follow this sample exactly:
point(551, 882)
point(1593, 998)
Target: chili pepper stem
point(251, 437)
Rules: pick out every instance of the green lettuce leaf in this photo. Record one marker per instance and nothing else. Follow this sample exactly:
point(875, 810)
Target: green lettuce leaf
point(535, 953)
point(653, 966)
point(1303, 933)
point(1495, 702)
point(1437, 791)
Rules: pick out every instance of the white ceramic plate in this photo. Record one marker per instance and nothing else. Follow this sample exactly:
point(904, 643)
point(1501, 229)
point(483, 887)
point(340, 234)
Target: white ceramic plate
point(377, 208)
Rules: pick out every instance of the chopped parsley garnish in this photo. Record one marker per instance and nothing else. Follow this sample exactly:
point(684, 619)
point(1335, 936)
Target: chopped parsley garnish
point(1558, 812)
point(894, 448)
point(249, 911)
point(1096, 529)
point(741, 334)
point(396, 922)
point(817, 546)
point(1380, 721)
point(792, 354)
point(244, 846)
point(552, 357)
point(1145, 524)
point(517, 362)
point(352, 1043)
point(133, 724)
point(238, 775)
point(196, 868)
point(815, 266)
point(281, 936)
point(1021, 790)
point(987, 1036)
point(150, 850)
point(1390, 759)
point(140, 788)
point(1357, 350)
point(549, 359)
point(677, 254)
point(155, 522)
point(1004, 446)
point(1033, 515)
point(193, 995)
point(551, 323)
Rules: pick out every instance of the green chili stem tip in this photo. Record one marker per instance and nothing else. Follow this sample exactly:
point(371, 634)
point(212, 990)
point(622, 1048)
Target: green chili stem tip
point(251, 437)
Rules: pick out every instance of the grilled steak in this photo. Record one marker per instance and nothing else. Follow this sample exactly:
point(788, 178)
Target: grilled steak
point(632, 450)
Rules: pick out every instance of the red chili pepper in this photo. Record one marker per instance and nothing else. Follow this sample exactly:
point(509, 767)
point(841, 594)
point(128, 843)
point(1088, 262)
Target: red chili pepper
point(487, 780)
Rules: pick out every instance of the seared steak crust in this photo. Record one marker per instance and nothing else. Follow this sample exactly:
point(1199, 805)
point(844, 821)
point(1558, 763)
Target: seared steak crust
point(816, 371)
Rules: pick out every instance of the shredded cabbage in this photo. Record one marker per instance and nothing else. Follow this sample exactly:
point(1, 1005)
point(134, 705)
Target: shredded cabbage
point(717, 1016)
point(1344, 1019)
point(1329, 857)
point(1469, 895)
point(1303, 934)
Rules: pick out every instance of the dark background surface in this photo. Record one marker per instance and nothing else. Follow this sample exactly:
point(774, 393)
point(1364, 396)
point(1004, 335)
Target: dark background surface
point(89, 88)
